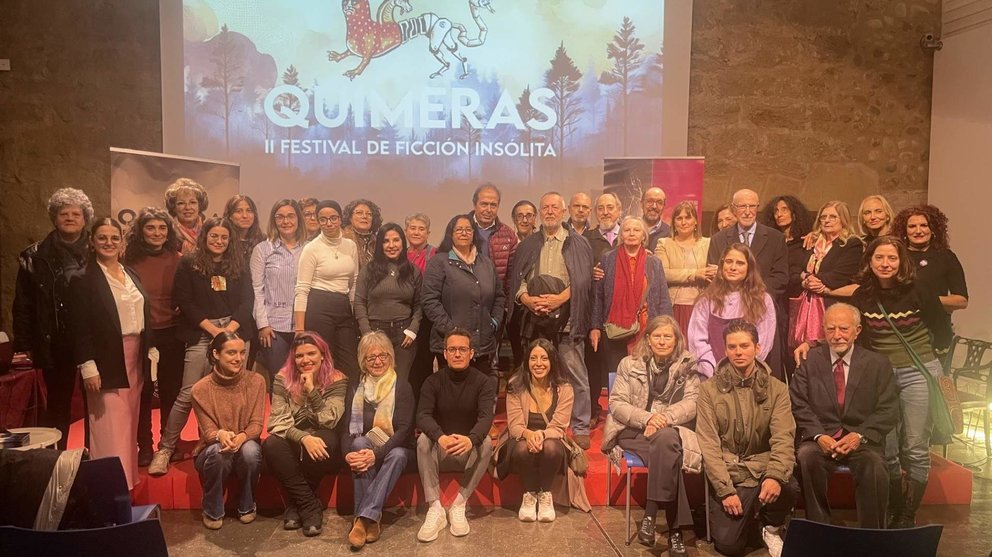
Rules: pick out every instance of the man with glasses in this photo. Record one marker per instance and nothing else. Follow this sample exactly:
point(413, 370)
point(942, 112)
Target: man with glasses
point(551, 279)
point(524, 218)
point(652, 206)
point(499, 241)
point(770, 251)
point(454, 415)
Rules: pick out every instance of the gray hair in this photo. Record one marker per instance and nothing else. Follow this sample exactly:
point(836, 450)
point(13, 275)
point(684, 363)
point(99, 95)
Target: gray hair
point(488, 186)
point(418, 216)
point(616, 199)
point(375, 339)
point(67, 197)
point(642, 349)
point(837, 306)
point(640, 222)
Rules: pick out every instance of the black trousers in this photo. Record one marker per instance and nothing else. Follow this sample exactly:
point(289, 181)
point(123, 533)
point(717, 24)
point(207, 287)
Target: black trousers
point(60, 382)
point(172, 353)
point(662, 453)
point(597, 376)
point(730, 533)
point(299, 474)
point(537, 470)
point(871, 482)
point(423, 360)
point(329, 315)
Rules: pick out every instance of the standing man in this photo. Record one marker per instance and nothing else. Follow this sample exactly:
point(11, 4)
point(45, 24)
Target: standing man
point(746, 433)
point(552, 280)
point(578, 212)
point(499, 241)
point(454, 415)
point(602, 239)
point(652, 206)
point(845, 402)
point(40, 298)
point(769, 249)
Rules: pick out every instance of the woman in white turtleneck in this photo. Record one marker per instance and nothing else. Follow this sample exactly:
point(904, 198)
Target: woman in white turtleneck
point(325, 289)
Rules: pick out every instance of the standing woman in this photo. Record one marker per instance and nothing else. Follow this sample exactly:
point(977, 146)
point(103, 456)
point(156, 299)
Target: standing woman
point(308, 205)
point(387, 296)
point(111, 344)
point(461, 290)
point(789, 215)
point(875, 218)
point(655, 391)
point(243, 214)
point(274, 262)
point(325, 289)
point(683, 258)
point(153, 254)
point(186, 201)
point(418, 231)
point(835, 257)
point(419, 252)
point(723, 217)
point(302, 447)
point(213, 291)
point(363, 219)
point(632, 292)
point(377, 438)
point(736, 292)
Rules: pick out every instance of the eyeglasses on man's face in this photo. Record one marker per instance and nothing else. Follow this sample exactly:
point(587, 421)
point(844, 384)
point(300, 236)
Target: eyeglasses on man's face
point(457, 350)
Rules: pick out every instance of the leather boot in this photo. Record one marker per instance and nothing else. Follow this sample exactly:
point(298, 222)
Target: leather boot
point(358, 534)
point(646, 533)
point(914, 496)
point(897, 500)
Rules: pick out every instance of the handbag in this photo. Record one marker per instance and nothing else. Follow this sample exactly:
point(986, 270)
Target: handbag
point(942, 394)
point(616, 332)
point(574, 454)
point(692, 455)
point(806, 313)
point(498, 468)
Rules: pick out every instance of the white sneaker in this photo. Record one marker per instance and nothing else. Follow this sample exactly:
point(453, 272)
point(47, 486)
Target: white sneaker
point(528, 509)
point(545, 507)
point(459, 524)
point(772, 536)
point(435, 522)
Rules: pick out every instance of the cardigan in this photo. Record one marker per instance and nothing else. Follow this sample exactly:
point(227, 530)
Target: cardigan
point(683, 284)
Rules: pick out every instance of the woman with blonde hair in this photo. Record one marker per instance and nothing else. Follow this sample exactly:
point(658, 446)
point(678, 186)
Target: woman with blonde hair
point(683, 257)
point(835, 256)
point(186, 201)
point(875, 217)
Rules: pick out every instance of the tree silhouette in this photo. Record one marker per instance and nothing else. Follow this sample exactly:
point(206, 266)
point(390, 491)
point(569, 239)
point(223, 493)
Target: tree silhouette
point(227, 78)
point(472, 136)
point(527, 111)
point(563, 80)
point(291, 102)
point(625, 51)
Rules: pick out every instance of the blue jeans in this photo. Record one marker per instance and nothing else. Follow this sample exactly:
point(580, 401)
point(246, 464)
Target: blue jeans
point(374, 485)
point(907, 446)
point(215, 467)
point(573, 361)
point(274, 357)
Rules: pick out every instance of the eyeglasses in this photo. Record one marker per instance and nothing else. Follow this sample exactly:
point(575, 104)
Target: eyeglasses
point(309, 215)
point(747, 207)
point(284, 218)
point(651, 202)
point(362, 213)
point(526, 217)
point(463, 231)
point(384, 357)
point(825, 218)
point(457, 350)
point(329, 220)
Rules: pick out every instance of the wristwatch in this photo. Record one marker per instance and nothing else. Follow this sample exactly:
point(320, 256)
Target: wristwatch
point(861, 438)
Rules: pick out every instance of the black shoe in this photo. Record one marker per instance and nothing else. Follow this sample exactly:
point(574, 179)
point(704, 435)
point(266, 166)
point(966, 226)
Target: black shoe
point(313, 525)
point(291, 519)
point(646, 534)
point(145, 457)
point(914, 496)
point(897, 501)
point(676, 545)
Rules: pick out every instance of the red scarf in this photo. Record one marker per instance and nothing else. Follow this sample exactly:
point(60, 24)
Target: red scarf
point(420, 257)
point(628, 287)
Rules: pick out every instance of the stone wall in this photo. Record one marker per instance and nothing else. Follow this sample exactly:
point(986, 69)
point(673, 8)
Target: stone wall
point(820, 99)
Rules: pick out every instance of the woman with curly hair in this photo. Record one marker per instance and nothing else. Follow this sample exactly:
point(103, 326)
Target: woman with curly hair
point(736, 292)
point(722, 218)
point(153, 254)
point(362, 220)
point(789, 215)
point(924, 229)
point(186, 201)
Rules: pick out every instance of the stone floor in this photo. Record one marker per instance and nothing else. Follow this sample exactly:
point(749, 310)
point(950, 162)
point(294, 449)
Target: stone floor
point(497, 532)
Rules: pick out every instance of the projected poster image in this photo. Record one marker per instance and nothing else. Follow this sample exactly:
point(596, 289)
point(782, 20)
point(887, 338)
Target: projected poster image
point(680, 177)
point(415, 102)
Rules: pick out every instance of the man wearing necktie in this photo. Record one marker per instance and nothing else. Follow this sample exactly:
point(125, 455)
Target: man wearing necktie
point(845, 402)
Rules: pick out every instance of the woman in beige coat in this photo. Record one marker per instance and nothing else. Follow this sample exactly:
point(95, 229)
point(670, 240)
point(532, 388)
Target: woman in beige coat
point(652, 413)
point(683, 257)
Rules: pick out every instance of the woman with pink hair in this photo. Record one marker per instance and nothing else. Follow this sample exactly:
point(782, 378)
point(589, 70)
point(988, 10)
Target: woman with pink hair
point(307, 403)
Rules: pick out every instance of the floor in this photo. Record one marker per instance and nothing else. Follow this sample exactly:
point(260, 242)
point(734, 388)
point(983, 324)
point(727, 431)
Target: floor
point(497, 532)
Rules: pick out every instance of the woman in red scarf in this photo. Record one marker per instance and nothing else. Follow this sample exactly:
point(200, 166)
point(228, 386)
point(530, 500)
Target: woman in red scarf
point(632, 291)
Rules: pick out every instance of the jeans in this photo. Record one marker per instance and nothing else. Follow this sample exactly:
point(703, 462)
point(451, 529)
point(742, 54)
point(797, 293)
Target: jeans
point(572, 354)
point(907, 446)
point(274, 357)
point(215, 467)
point(431, 461)
point(374, 485)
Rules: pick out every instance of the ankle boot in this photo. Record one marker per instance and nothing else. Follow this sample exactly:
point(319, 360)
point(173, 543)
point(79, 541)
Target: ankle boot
point(646, 533)
point(897, 500)
point(914, 496)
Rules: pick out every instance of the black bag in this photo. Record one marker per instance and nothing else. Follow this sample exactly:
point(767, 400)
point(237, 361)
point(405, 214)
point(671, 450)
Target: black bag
point(544, 326)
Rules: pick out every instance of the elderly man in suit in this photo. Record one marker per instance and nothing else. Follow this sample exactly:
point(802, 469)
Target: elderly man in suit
point(769, 249)
point(844, 400)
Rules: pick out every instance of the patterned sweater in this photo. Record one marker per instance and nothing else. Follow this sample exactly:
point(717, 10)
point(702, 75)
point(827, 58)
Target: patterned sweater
point(917, 314)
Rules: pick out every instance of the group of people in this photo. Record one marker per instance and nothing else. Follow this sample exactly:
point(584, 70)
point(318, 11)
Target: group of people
point(348, 317)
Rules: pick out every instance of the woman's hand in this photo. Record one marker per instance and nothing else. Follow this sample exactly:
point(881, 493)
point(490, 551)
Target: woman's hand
point(265, 336)
point(709, 273)
point(92, 384)
point(814, 284)
point(535, 440)
point(407, 342)
point(315, 447)
point(594, 336)
point(658, 420)
point(307, 380)
point(800, 353)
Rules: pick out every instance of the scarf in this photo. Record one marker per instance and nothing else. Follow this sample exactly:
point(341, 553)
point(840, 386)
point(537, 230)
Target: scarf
point(365, 242)
point(820, 250)
point(469, 260)
point(419, 257)
point(379, 392)
point(187, 235)
point(628, 287)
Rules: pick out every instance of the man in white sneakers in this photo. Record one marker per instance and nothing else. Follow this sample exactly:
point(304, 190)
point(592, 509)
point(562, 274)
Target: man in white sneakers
point(454, 415)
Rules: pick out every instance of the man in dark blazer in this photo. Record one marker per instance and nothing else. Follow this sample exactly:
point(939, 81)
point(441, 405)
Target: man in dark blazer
point(844, 400)
point(769, 249)
point(652, 206)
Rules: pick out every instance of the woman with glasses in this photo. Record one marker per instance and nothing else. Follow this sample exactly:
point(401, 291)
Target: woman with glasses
point(213, 291)
point(110, 322)
point(274, 262)
point(387, 297)
point(462, 290)
point(362, 220)
point(308, 206)
point(834, 259)
point(325, 288)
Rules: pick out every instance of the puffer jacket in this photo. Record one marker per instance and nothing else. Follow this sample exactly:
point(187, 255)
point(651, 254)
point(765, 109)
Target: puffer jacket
point(502, 247)
point(629, 397)
point(732, 456)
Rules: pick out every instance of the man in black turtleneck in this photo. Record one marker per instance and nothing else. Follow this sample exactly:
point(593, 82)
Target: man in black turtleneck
point(454, 415)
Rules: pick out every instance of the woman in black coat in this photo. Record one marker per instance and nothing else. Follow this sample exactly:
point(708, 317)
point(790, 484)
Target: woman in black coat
point(835, 256)
point(461, 289)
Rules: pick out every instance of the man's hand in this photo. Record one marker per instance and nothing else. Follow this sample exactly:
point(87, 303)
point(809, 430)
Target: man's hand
point(826, 443)
point(594, 336)
point(237, 441)
point(770, 490)
point(225, 438)
point(552, 302)
point(732, 505)
point(650, 430)
point(461, 445)
point(92, 384)
point(315, 447)
point(800, 354)
point(846, 445)
point(533, 303)
point(658, 421)
point(598, 273)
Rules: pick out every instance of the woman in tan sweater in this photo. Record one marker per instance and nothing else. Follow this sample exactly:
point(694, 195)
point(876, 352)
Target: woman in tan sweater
point(683, 257)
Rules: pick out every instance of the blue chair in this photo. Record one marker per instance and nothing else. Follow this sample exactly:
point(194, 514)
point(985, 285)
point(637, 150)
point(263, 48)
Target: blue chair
point(632, 461)
point(805, 538)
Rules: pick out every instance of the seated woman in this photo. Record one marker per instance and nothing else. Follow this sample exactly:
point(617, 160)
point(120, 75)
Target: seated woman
point(378, 440)
point(655, 390)
point(230, 405)
point(307, 404)
point(538, 410)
